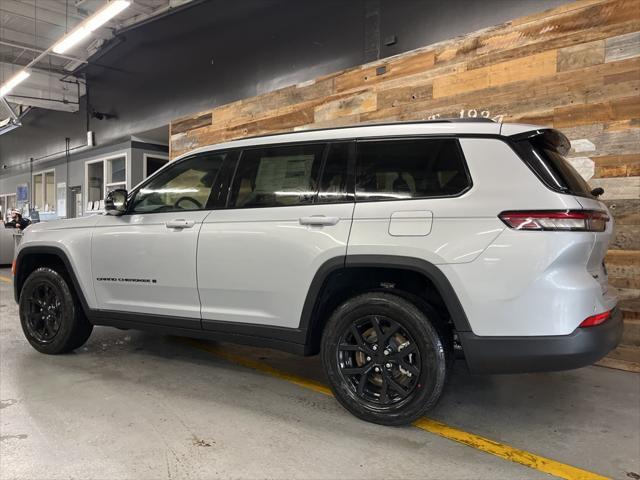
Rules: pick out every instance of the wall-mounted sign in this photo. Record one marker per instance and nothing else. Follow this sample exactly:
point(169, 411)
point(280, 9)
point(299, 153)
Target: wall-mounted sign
point(22, 193)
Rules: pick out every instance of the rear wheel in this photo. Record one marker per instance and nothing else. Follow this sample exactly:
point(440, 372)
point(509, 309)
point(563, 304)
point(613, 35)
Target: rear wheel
point(50, 315)
point(385, 359)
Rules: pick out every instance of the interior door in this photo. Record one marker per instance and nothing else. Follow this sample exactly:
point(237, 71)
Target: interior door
point(145, 261)
point(285, 218)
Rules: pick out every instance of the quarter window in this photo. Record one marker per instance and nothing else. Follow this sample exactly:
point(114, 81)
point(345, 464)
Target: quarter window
point(186, 185)
point(277, 176)
point(416, 168)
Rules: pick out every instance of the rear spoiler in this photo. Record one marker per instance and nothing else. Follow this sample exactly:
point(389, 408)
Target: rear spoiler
point(554, 138)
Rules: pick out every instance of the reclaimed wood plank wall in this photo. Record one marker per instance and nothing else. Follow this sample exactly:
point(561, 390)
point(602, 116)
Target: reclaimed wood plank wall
point(576, 68)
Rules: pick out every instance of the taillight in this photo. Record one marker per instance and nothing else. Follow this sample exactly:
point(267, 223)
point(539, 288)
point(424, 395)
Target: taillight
point(594, 320)
point(557, 220)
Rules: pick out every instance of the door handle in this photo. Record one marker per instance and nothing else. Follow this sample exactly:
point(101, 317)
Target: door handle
point(180, 223)
point(319, 220)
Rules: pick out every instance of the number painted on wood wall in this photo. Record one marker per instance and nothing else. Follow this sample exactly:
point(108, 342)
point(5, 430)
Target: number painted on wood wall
point(470, 113)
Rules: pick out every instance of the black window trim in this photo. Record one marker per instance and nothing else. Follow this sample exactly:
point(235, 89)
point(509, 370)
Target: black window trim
point(455, 137)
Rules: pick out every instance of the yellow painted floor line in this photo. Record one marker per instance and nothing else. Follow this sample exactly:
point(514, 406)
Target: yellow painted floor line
point(522, 457)
point(5, 279)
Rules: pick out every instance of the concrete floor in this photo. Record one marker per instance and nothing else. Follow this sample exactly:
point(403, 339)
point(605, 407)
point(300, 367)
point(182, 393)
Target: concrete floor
point(144, 406)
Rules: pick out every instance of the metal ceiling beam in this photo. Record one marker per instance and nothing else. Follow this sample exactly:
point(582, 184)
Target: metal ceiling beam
point(45, 89)
point(36, 50)
point(44, 14)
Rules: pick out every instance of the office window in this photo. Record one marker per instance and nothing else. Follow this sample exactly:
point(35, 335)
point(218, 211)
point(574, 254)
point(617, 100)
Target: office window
point(103, 176)
point(7, 203)
point(95, 181)
point(44, 191)
point(153, 163)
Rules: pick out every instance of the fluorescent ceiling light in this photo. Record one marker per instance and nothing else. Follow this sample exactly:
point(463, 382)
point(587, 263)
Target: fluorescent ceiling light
point(13, 81)
point(68, 41)
point(91, 24)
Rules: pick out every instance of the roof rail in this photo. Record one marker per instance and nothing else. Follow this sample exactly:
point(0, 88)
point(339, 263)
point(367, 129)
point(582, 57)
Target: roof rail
point(359, 125)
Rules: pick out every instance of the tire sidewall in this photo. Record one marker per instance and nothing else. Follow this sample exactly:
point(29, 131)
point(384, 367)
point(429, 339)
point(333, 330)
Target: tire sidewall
point(68, 318)
point(433, 357)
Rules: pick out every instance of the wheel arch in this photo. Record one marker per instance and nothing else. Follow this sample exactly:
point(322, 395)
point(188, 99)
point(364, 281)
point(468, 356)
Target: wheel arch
point(30, 258)
point(327, 291)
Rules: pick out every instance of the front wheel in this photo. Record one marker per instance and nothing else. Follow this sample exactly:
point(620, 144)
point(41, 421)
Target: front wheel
point(51, 317)
point(385, 359)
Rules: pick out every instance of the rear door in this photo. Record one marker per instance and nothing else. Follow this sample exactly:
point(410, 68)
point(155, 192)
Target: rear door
point(412, 201)
point(289, 211)
point(145, 261)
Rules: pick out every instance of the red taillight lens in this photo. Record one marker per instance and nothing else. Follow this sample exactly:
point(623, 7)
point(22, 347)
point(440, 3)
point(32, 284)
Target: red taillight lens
point(557, 220)
point(594, 320)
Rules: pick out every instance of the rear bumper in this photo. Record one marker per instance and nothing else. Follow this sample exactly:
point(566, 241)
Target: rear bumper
point(583, 347)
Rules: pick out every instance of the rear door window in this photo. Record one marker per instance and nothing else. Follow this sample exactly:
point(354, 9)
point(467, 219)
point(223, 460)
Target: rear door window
point(410, 168)
point(278, 176)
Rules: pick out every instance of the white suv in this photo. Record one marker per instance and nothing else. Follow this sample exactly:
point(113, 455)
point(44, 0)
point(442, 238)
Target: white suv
point(389, 249)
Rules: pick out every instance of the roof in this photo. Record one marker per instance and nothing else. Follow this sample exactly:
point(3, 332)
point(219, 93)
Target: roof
point(435, 127)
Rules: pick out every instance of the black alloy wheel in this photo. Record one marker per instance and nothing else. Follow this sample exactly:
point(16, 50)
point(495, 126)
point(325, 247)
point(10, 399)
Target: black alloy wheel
point(51, 316)
point(44, 312)
point(379, 360)
point(386, 359)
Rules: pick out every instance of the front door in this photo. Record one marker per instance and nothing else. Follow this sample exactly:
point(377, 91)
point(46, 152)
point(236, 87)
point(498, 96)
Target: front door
point(285, 218)
point(145, 261)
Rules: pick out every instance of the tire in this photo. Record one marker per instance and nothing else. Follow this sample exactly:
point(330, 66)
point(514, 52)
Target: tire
point(64, 326)
point(386, 361)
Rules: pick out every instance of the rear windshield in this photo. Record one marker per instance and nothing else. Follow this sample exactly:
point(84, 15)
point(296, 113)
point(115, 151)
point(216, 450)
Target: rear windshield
point(543, 154)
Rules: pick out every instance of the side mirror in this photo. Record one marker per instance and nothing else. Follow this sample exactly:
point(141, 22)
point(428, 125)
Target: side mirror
point(116, 202)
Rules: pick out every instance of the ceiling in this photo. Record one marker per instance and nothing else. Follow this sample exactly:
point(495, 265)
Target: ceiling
point(29, 27)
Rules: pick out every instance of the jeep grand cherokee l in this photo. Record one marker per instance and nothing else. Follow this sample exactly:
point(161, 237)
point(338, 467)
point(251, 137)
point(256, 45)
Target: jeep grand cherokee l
point(388, 249)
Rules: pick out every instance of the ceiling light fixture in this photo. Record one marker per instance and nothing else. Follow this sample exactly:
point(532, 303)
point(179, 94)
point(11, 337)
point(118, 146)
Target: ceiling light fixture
point(82, 31)
point(13, 81)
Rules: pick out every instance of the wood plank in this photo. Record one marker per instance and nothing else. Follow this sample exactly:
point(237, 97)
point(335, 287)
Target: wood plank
point(624, 258)
point(581, 56)
point(618, 188)
point(587, 20)
point(378, 72)
point(192, 123)
point(531, 67)
point(617, 165)
point(623, 268)
point(394, 97)
point(631, 333)
point(606, 142)
point(611, 111)
point(626, 212)
point(622, 46)
point(520, 99)
point(361, 103)
point(630, 308)
point(626, 353)
point(617, 363)
point(626, 237)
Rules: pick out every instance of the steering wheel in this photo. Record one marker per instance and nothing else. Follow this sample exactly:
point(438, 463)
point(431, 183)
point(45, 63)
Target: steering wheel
point(187, 199)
